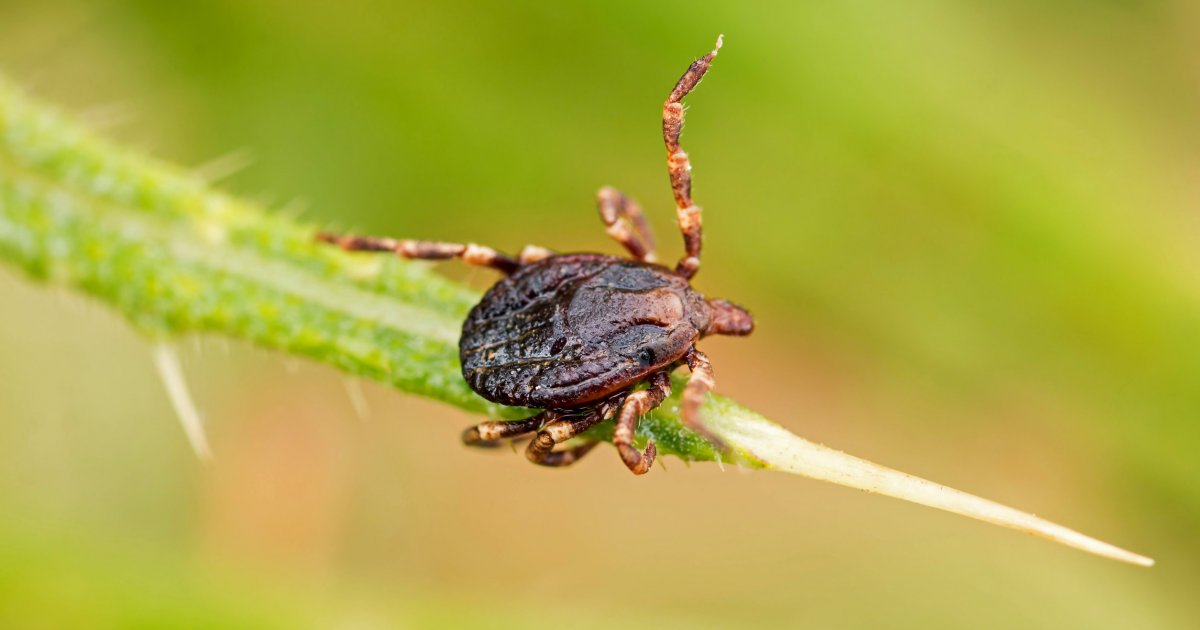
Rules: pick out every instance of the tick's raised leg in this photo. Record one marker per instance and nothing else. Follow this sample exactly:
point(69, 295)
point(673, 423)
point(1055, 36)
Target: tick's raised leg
point(489, 434)
point(625, 223)
point(699, 384)
point(469, 253)
point(680, 168)
point(635, 406)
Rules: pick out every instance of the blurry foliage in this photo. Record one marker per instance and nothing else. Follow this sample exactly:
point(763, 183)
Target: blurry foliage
point(966, 229)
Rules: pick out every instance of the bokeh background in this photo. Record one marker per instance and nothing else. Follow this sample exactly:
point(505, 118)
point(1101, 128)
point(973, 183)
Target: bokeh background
point(969, 231)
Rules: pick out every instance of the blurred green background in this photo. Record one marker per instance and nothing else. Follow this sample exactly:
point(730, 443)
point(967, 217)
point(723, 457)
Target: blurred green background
point(968, 231)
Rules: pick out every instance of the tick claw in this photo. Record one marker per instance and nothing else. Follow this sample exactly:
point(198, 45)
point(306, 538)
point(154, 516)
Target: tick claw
point(638, 463)
point(471, 437)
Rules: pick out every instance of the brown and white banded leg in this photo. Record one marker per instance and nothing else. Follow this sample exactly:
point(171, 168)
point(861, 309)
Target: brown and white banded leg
point(625, 223)
point(533, 253)
point(699, 384)
point(541, 449)
point(490, 434)
point(469, 253)
point(558, 459)
point(635, 406)
point(680, 168)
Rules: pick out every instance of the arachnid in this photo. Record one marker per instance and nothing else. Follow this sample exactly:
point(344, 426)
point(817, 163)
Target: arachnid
point(575, 334)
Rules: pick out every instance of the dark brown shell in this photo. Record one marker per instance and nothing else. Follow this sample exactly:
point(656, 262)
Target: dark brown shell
point(568, 330)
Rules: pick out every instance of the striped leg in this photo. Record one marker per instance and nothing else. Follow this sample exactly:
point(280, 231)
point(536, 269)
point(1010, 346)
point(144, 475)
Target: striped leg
point(541, 449)
point(470, 253)
point(567, 457)
point(699, 384)
point(533, 253)
point(625, 223)
point(635, 406)
point(489, 434)
point(679, 167)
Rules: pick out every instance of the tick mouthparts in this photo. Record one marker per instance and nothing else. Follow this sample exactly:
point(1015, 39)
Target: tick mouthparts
point(727, 318)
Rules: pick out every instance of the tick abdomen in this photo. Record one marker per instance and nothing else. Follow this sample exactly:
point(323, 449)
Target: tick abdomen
point(572, 329)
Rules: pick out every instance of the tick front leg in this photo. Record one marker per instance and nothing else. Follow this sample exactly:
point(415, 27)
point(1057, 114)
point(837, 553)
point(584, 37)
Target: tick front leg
point(699, 384)
point(489, 434)
point(541, 449)
point(625, 223)
point(565, 458)
point(469, 253)
point(679, 167)
point(635, 406)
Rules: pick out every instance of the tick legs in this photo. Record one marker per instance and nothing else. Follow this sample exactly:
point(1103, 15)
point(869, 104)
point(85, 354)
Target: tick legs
point(699, 384)
point(552, 429)
point(680, 168)
point(533, 253)
point(470, 253)
point(541, 449)
point(625, 223)
point(634, 407)
point(489, 434)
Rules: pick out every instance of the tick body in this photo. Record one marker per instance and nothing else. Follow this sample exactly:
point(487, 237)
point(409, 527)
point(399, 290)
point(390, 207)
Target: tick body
point(569, 330)
point(577, 335)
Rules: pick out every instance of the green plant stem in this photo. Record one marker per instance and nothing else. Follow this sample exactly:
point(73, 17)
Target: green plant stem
point(174, 255)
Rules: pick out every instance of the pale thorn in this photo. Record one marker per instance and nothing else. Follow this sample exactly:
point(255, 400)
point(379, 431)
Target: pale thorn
point(720, 42)
point(781, 450)
point(223, 166)
point(295, 208)
point(166, 359)
point(358, 400)
point(106, 117)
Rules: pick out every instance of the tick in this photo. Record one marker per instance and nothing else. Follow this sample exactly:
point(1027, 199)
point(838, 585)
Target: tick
point(586, 337)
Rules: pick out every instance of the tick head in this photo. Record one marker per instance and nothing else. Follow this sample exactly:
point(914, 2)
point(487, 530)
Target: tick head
point(647, 347)
point(649, 327)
